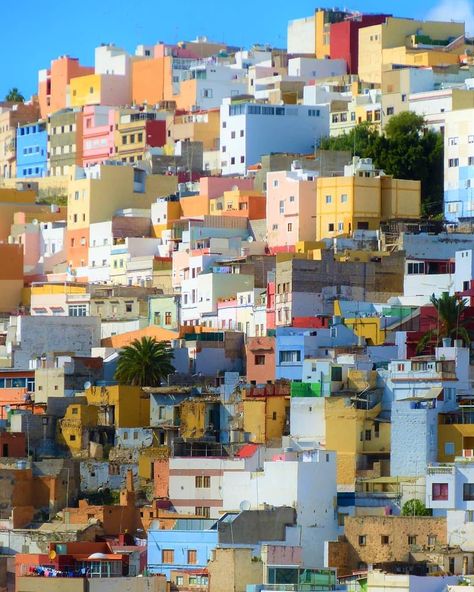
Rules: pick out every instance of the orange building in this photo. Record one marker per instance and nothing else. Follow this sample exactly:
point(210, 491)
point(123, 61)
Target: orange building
point(53, 83)
point(245, 204)
point(152, 80)
point(11, 276)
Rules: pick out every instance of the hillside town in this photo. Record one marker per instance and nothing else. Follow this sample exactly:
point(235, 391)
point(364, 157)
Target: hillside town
point(237, 313)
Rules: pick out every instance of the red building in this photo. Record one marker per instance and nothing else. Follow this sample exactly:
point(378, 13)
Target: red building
point(12, 444)
point(344, 38)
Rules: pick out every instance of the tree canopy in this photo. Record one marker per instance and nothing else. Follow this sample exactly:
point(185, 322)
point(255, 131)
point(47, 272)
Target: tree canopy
point(145, 362)
point(406, 149)
point(415, 507)
point(14, 96)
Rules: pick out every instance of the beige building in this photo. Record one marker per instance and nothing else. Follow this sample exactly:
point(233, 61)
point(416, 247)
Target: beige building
point(408, 42)
point(96, 194)
point(232, 569)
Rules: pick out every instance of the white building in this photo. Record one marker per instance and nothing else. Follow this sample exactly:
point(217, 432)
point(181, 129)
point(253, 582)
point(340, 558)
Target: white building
point(450, 492)
point(307, 483)
point(250, 130)
point(459, 165)
point(196, 484)
point(215, 82)
point(312, 68)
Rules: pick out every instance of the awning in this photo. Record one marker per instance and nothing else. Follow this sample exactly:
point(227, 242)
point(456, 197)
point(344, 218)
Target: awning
point(429, 395)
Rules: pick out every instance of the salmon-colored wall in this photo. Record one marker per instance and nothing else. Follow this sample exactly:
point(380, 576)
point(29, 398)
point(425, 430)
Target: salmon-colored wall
point(162, 478)
point(261, 346)
point(61, 72)
point(151, 80)
point(77, 254)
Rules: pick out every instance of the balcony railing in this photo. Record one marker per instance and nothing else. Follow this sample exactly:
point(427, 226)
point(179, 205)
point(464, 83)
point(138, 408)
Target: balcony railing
point(440, 470)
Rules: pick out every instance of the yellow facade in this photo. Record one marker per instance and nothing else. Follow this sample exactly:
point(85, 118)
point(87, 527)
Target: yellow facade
point(173, 213)
point(193, 419)
point(146, 459)
point(397, 33)
point(203, 126)
point(345, 204)
point(71, 428)
point(265, 418)
point(461, 435)
point(346, 432)
point(126, 406)
point(85, 90)
point(97, 199)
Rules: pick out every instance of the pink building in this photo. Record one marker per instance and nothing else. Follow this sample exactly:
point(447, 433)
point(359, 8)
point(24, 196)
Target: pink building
point(291, 208)
point(98, 134)
point(215, 186)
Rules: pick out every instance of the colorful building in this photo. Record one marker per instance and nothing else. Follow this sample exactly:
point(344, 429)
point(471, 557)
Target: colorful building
point(98, 134)
point(362, 199)
point(32, 150)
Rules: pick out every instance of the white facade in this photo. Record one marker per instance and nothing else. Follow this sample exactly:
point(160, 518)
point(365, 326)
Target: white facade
point(309, 485)
point(307, 419)
point(459, 165)
point(301, 35)
point(215, 82)
point(198, 482)
point(312, 68)
point(464, 271)
point(100, 245)
point(250, 130)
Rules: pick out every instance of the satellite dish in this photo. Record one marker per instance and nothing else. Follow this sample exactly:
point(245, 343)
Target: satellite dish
point(250, 239)
point(52, 554)
point(35, 222)
point(245, 505)
point(87, 385)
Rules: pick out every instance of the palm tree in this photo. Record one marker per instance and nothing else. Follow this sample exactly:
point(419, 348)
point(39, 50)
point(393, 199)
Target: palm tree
point(145, 362)
point(15, 96)
point(450, 321)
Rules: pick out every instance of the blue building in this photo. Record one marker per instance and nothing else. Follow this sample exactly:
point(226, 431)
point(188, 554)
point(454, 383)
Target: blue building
point(187, 546)
point(293, 345)
point(32, 150)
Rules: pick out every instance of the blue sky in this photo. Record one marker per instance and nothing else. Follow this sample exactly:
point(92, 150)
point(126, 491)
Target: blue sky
point(41, 32)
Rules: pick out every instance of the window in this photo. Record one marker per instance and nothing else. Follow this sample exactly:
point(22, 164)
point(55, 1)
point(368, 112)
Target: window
point(390, 110)
point(470, 139)
point(412, 539)
point(470, 161)
point(167, 318)
point(260, 360)
point(439, 491)
point(75, 410)
point(198, 481)
point(330, 227)
point(362, 540)
point(128, 306)
point(72, 438)
point(468, 492)
point(453, 141)
point(192, 557)
point(241, 133)
point(344, 198)
point(140, 137)
point(290, 357)
point(328, 199)
point(362, 226)
point(207, 93)
point(385, 539)
point(449, 448)
point(232, 160)
point(77, 310)
point(242, 159)
point(431, 540)
point(453, 162)
point(292, 198)
point(167, 556)
point(340, 226)
point(204, 511)
point(368, 435)
point(179, 580)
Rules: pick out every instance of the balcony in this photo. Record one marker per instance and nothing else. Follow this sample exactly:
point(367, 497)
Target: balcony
point(440, 470)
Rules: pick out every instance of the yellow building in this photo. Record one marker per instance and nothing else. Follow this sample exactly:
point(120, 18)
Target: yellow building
point(355, 435)
point(120, 405)
point(200, 126)
point(407, 42)
point(458, 434)
point(265, 417)
point(137, 131)
point(362, 199)
point(146, 461)
point(72, 428)
point(197, 417)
